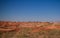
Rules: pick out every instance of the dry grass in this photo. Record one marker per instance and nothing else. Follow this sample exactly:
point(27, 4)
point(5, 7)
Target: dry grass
point(29, 30)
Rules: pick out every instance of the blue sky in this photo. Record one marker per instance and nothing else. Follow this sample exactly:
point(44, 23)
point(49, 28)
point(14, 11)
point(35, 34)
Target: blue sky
point(30, 10)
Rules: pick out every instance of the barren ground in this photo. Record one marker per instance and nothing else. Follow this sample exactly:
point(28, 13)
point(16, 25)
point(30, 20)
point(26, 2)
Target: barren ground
point(29, 29)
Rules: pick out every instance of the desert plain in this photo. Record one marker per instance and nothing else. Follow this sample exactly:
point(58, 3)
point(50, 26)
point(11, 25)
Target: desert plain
point(9, 29)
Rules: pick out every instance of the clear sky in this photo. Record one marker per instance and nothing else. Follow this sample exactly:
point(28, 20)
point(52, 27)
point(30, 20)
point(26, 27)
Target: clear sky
point(30, 10)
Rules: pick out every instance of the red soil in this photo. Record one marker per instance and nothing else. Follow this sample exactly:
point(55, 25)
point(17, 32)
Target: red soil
point(15, 26)
point(37, 29)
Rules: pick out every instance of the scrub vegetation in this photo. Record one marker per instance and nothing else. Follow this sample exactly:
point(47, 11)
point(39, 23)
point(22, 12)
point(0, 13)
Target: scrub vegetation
point(29, 29)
